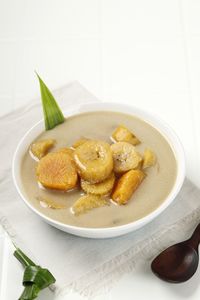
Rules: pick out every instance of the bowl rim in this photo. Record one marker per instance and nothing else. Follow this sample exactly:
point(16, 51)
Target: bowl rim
point(147, 116)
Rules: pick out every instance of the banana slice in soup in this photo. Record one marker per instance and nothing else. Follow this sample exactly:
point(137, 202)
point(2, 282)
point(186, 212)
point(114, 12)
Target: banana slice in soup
point(101, 188)
point(40, 148)
point(125, 157)
point(149, 159)
point(87, 203)
point(94, 160)
point(123, 134)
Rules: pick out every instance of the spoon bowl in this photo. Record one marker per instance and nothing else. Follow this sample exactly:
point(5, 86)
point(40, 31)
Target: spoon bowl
point(179, 262)
point(176, 264)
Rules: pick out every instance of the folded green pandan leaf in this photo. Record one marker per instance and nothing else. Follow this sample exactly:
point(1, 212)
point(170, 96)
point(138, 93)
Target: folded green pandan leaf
point(30, 292)
point(35, 278)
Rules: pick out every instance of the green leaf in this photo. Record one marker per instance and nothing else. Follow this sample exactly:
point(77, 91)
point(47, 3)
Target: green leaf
point(24, 260)
point(53, 115)
point(35, 278)
point(30, 292)
point(41, 277)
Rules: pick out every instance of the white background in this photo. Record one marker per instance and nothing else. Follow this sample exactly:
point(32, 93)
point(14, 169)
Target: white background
point(142, 52)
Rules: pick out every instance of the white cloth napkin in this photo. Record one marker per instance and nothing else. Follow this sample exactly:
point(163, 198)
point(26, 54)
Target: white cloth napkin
point(87, 266)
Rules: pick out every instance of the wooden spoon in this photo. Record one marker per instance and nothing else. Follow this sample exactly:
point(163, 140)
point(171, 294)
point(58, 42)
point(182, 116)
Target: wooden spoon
point(179, 262)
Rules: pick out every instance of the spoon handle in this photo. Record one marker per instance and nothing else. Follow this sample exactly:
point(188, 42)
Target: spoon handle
point(195, 238)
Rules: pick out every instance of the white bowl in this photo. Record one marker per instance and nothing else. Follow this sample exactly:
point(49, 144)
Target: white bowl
point(108, 232)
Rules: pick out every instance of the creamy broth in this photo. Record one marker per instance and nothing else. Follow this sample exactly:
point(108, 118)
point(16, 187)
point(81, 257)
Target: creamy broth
point(100, 125)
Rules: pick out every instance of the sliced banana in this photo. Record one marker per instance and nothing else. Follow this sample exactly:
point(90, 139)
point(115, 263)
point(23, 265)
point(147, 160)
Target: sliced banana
point(40, 148)
point(44, 202)
point(127, 185)
point(123, 134)
point(57, 170)
point(125, 157)
point(94, 160)
point(88, 202)
point(67, 150)
point(149, 158)
point(79, 142)
point(101, 188)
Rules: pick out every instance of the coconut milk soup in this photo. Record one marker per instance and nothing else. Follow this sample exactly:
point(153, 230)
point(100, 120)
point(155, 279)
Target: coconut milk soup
point(155, 187)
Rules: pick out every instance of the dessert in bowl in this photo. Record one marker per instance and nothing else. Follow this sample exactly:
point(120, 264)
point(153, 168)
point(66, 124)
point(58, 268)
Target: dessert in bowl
point(107, 170)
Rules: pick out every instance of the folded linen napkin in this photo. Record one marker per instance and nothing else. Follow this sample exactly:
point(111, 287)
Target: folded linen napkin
point(87, 266)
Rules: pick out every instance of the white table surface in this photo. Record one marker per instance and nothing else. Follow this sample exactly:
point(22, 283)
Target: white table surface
point(144, 53)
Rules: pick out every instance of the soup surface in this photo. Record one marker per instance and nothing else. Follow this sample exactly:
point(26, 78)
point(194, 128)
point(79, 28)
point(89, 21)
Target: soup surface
point(100, 125)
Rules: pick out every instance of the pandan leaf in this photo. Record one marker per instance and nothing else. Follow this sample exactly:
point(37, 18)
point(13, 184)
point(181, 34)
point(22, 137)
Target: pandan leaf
point(35, 278)
point(53, 115)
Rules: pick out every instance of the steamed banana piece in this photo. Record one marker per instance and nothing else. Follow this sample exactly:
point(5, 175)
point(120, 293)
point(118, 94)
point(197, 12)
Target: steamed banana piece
point(149, 158)
point(79, 142)
point(46, 202)
point(101, 188)
point(123, 134)
point(127, 185)
point(94, 160)
point(67, 150)
point(88, 202)
point(125, 157)
point(40, 148)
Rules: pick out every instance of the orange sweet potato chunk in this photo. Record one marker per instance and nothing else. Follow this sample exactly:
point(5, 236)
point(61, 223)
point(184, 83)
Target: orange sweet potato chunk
point(127, 185)
point(57, 170)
